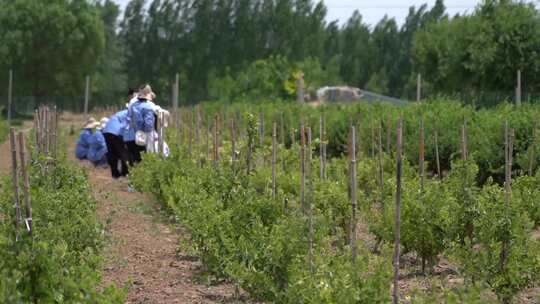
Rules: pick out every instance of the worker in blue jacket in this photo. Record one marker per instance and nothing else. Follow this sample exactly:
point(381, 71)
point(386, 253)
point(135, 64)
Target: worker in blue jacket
point(117, 154)
point(97, 152)
point(83, 144)
point(140, 117)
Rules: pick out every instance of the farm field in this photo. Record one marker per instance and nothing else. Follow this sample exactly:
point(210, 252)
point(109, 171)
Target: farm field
point(269, 151)
point(290, 237)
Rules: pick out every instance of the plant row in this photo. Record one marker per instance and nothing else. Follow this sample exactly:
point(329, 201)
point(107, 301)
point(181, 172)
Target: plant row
point(60, 261)
point(279, 248)
point(485, 130)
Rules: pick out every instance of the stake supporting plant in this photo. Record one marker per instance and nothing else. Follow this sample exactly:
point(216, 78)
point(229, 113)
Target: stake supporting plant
point(421, 152)
point(395, 293)
point(381, 166)
point(509, 150)
point(303, 168)
point(15, 177)
point(274, 160)
point(26, 183)
point(437, 157)
point(352, 177)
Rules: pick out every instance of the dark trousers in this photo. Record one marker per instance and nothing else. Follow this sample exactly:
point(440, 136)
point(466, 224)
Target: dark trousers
point(135, 152)
point(117, 151)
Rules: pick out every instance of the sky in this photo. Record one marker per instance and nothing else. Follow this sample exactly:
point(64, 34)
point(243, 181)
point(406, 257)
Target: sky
point(373, 11)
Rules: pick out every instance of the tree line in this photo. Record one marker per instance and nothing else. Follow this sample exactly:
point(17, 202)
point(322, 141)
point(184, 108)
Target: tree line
point(233, 48)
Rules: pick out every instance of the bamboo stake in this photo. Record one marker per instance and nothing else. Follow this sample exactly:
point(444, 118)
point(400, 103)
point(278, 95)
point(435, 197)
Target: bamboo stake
point(395, 294)
point(15, 176)
point(26, 181)
point(354, 202)
point(274, 160)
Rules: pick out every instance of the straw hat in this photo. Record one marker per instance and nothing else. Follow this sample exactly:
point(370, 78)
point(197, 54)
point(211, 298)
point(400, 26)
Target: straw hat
point(146, 92)
point(90, 123)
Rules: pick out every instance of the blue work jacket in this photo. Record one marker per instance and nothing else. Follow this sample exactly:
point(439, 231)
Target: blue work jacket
point(140, 117)
point(98, 147)
point(81, 150)
point(117, 123)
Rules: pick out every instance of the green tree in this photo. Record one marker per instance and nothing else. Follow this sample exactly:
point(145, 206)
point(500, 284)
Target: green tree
point(51, 45)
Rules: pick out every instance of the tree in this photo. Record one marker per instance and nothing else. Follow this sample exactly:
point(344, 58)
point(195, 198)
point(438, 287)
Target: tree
point(51, 45)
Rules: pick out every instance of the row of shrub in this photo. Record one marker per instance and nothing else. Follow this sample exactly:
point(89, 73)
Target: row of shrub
point(60, 262)
point(262, 243)
point(485, 129)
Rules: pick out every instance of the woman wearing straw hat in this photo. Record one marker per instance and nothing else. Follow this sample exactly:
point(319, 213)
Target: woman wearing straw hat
point(81, 150)
point(97, 151)
point(140, 123)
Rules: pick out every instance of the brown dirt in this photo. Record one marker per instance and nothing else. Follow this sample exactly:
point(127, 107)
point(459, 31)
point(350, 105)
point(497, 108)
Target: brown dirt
point(143, 252)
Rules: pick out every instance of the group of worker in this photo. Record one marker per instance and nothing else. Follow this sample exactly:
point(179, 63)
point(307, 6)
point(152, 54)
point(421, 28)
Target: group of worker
point(120, 139)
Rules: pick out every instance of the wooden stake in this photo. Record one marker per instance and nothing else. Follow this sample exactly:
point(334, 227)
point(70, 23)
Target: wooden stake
point(216, 148)
point(395, 294)
point(208, 132)
point(274, 160)
point(191, 125)
point(310, 201)
point(372, 139)
point(302, 168)
point(381, 167)
point(509, 149)
point(26, 180)
point(354, 202)
point(322, 157)
point(421, 155)
point(437, 159)
point(388, 134)
point(15, 177)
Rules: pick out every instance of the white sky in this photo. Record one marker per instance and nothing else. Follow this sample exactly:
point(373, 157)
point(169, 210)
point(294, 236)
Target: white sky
point(373, 11)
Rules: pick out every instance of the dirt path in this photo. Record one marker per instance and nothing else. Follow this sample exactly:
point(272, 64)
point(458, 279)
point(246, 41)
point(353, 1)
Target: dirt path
point(142, 253)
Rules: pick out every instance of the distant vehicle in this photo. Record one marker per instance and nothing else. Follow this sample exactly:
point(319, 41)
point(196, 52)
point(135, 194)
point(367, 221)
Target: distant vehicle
point(339, 94)
point(351, 94)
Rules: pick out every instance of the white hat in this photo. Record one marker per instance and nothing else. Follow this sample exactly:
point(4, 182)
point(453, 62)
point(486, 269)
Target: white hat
point(102, 123)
